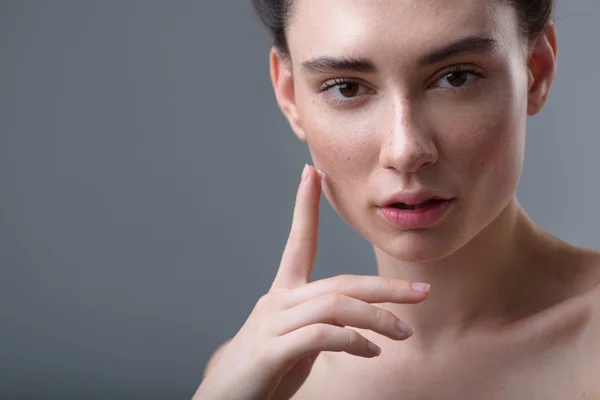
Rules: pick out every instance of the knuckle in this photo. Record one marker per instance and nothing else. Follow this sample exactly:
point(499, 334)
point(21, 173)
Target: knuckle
point(317, 333)
point(384, 317)
point(341, 282)
point(354, 338)
point(392, 285)
point(381, 316)
point(396, 284)
point(333, 301)
point(264, 301)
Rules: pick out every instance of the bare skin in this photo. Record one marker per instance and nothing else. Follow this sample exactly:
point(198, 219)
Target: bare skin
point(512, 312)
point(548, 350)
point(273, 353)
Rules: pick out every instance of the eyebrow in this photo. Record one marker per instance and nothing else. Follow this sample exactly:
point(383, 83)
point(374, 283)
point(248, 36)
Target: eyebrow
point(470, 44)
point(330, 64)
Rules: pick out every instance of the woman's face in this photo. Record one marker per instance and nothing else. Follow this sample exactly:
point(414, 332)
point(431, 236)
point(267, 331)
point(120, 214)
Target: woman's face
point(408, 97)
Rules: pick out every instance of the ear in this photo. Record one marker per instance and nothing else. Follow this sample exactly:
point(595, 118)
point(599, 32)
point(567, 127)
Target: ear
point(542, 68)
point(283, 85)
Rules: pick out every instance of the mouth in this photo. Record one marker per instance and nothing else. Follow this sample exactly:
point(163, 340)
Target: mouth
point(425, 204)
point(415, 211)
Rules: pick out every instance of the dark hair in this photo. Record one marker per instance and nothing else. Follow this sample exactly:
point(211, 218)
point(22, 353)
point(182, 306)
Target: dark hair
point(534, 16)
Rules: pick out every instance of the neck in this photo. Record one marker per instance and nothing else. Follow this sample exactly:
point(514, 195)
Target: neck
point(477, 286)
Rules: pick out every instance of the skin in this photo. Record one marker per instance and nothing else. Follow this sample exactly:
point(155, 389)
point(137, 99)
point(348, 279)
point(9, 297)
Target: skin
point(513, 312)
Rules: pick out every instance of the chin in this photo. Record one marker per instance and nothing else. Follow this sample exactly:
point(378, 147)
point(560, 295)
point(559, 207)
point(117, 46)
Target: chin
point(420, 246)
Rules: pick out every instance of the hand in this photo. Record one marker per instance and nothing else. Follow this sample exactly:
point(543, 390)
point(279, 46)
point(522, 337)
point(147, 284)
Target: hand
point(272, 354)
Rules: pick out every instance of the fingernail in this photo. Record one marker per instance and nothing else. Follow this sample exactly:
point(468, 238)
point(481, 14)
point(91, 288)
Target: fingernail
point(321, 174)
point(305, 173)
point(420, 287)
point(374, 348)
point(404, 328)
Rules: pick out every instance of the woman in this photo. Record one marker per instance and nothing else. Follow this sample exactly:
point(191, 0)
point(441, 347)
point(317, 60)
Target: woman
point(415, 113)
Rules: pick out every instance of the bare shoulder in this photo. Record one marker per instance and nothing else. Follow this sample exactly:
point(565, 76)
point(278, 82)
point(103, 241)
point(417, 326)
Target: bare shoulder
point(592, 336)
point(589, 286)
point(593, 285)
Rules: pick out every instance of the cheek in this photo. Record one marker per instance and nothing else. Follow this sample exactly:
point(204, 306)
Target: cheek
point(489, 143)
point(342, 145)
point(345, 147)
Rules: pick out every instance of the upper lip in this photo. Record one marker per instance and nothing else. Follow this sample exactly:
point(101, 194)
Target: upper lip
point(413, 198)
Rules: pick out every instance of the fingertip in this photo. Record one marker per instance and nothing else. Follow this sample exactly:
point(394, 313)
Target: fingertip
point(374, 350)
point(308, 174)
point(305, 173)
point(421, 287)
point(315, 178)
point(321, 174)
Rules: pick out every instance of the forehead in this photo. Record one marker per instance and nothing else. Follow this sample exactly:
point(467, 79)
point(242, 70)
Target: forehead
point(375, 28)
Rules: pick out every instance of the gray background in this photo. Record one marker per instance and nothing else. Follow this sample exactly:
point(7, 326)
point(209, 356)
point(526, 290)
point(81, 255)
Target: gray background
point(147, 181)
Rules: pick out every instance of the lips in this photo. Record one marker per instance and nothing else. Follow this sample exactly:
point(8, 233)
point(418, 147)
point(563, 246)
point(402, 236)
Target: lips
point(415, 210)
point(425, 204)
point(413, 200)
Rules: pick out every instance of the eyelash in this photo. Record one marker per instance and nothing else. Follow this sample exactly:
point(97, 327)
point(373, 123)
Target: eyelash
point(337, 83)
point(454, 70)
point(462, 70)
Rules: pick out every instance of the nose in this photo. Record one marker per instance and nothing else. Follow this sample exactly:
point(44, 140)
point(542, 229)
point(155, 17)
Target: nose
point(407, 145)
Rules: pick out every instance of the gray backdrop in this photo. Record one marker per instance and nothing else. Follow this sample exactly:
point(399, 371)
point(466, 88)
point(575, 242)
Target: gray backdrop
point(147, 181)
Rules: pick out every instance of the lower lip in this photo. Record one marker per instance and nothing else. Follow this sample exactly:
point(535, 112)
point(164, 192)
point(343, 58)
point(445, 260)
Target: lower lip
point(419, 218)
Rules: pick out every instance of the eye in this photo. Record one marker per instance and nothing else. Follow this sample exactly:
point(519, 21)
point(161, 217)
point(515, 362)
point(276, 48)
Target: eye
point(343, 90)
point(459, 78)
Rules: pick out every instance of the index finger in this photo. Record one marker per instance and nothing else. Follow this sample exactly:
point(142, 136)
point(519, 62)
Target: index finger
point(301, 248)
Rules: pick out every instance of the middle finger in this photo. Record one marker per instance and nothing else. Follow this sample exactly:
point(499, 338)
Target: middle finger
point(370, 289)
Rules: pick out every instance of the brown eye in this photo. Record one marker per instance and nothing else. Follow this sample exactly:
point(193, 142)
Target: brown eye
point(457, 79)
point(343, 92)
point(348, 89)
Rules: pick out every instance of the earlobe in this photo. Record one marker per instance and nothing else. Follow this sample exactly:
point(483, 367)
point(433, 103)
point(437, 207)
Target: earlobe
point(542, 68)
point(283, 85)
